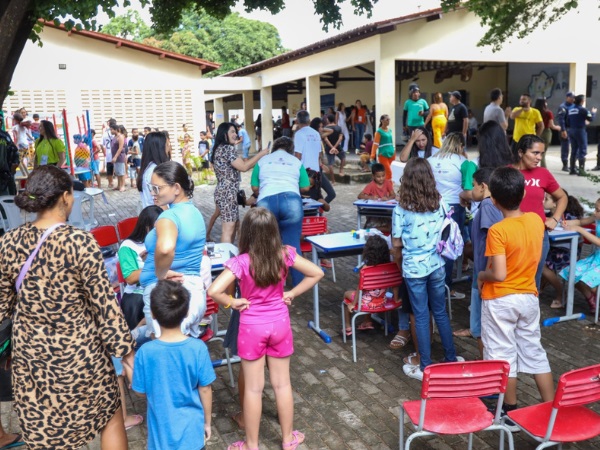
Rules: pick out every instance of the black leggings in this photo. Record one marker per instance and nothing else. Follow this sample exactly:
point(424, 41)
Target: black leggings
point(326, 184)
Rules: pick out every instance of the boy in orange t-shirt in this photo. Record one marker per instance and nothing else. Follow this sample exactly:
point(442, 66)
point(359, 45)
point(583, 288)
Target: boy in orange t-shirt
point(379, 189)
point(510, 313)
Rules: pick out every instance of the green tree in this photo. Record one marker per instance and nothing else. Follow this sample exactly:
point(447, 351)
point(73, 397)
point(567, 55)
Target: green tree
point(233, 41)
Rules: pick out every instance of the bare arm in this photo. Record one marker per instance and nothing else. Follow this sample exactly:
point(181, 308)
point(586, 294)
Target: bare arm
point(397, 251)
point(245, 166)
point(516, 113)
point(561, 200)
point(539, 127)
point(495, 272)
point(405, 153)
point(429, 116)
point(134, 277)
point(219, 289)
point(312, 275)
point(465, 126)
point(553, 126)
point(166, 240)
point(206, 400)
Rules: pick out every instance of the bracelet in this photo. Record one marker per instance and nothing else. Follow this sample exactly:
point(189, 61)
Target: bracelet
point(229, 305)
point(555, 219)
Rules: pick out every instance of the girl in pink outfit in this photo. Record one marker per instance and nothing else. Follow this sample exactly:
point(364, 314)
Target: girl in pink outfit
point(265, 330)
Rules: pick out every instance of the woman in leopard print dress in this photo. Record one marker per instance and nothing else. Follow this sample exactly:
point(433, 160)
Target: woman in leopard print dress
point(66, 324)
point(228, 165)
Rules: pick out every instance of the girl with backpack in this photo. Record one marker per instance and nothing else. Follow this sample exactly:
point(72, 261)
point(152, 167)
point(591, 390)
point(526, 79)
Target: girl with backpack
point(416, 225)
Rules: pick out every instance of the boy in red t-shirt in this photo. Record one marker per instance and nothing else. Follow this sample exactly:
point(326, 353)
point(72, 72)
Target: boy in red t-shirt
point(510, 312)
point(382, 190)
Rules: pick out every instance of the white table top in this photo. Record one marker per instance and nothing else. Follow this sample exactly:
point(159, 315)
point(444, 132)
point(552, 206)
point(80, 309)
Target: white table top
point(560, 234)
point(309, 203)
point(336, 241)
point(222, 252)
point(388, 204)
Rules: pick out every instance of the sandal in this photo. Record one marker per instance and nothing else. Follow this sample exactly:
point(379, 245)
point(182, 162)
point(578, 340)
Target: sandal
point(16, 442)
point(412, 359)
point(556, 304)
point(348, 331)
point(462, 333)
point(139, 420)
point(293, 444)
point(399, 342)
point(239, 445)
point(366, 325)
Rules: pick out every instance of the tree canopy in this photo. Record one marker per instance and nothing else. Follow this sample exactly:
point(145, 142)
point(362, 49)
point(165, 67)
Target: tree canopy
point(18, 18)
point(233, 41)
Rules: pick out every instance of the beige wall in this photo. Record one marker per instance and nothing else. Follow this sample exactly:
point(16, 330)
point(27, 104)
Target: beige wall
point(135, 87)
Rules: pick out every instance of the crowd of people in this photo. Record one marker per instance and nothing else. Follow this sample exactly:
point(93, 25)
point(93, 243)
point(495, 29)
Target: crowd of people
point(75, 347)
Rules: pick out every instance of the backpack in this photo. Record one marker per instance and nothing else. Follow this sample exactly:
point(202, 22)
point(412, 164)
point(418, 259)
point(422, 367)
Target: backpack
point(9, 156)
point(450, 243)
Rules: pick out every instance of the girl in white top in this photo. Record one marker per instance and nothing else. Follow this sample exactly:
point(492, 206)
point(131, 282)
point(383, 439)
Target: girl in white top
point(154, 153)
point(340, 119)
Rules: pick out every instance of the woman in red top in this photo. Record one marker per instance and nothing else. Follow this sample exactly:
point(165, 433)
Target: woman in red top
point(548, 118)
point(538, 181)
point(359, 122)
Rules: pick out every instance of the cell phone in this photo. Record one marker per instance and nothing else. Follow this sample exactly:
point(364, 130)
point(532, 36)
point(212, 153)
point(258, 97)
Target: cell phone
point(269, 146)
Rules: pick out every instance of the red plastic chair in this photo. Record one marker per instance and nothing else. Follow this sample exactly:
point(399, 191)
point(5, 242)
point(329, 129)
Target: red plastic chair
point(105, 235)
point(313, 226)
point(382, 276)
point(209, 336)
point(450, 402)
point(126, 226)
point(565, 419)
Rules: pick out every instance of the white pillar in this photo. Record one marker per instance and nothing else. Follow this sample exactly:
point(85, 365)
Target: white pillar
point(266, 109)
point(219, 113)
point(578, 72)
point(385, 92)
point(313, 96)
point(198, 115)
point(248, 97)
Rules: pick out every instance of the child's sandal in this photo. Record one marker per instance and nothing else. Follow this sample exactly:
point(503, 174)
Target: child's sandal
point(293, 444)
point(592, 302)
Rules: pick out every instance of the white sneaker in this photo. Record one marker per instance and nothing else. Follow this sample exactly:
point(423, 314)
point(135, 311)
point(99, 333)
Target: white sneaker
point(413, 371)
point(455, 295)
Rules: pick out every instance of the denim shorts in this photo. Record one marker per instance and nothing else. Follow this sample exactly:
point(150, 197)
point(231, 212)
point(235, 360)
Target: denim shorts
point(119, 169)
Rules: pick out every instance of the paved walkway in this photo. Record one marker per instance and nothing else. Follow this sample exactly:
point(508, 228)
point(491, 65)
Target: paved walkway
point(340, 404)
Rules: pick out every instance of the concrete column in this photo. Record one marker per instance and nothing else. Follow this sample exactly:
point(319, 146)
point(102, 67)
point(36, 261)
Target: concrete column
point(578, 72)
point(266, 109)
point(313, 96)
point(248, 97)
point(219, 114)
point(385, 92)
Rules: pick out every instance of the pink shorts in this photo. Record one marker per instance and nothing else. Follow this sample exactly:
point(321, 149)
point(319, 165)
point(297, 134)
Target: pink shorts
point(272, 339)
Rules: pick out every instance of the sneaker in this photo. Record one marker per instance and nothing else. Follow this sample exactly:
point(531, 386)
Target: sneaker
point(566, 169)
point(513, 427)
point(597, 168)
point(455, 295)
point(413, 371)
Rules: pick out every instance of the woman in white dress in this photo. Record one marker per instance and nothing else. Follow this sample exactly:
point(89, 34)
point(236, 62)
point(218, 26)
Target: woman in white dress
point(340, 119)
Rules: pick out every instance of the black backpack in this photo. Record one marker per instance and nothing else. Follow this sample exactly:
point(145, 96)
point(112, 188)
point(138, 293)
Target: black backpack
point(9, 156)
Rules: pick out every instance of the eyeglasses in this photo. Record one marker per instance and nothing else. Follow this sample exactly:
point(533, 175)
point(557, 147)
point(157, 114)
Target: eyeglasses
point(155, 188)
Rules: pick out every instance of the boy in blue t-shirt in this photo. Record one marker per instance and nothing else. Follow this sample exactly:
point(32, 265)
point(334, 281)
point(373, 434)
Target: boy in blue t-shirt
point(175, 373)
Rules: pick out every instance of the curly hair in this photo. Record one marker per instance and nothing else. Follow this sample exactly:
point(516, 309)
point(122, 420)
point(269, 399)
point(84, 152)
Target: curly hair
point(376, 251)
point(418, 191)
point(45, 187)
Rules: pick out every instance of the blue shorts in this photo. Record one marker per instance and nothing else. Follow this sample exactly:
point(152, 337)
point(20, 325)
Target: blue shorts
point(96, 167)
point(85, 176)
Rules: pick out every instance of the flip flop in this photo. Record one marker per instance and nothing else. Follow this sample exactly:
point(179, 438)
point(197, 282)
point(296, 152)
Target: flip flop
point(239, 445)
point(556, 304)
point(365, 326)
point(17, 442)
point(293, 444)
point(348, 331)
point(139, 418)
point(462, 333)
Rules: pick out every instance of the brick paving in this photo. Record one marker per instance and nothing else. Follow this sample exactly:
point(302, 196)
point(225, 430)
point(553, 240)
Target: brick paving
point(340, 404)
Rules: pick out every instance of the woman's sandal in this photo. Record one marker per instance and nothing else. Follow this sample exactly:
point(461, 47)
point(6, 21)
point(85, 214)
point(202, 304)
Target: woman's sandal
point(412, 359)
point(592, 302)
point(239, 419)
point(556, 304)
point(366, 325)
point(239, 445)
point(348, 331)
point(293, 444)
point(399, 342)
point(462, 333)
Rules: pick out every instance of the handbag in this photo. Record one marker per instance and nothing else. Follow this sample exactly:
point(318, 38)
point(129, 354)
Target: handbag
point(450, 243)
point(241, 197)
point(6, 325)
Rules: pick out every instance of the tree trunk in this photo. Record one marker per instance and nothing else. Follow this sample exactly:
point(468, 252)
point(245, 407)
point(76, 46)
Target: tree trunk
point(16, 23)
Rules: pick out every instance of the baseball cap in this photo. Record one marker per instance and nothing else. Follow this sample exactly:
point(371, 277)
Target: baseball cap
point(414, 87)
point(570, 94)
point(456, 94)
